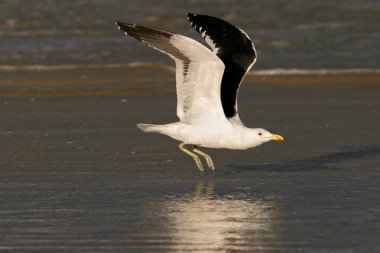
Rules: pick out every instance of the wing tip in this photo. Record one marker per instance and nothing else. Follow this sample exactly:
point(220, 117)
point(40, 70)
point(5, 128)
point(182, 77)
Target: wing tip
point(126, 27)
point(118, 24)
point(191, 18)
point(191, 15)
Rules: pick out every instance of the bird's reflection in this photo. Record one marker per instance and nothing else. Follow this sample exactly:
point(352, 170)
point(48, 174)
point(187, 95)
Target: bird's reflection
point(207, 221)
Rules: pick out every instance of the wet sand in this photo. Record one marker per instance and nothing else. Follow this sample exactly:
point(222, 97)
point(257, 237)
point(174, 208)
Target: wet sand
point(78, 176)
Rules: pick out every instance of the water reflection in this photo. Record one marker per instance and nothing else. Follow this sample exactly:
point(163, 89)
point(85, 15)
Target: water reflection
point(209, 222)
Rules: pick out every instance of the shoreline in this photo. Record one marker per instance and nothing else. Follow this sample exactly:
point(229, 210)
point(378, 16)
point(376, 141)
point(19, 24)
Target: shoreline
point(171, 67)
point(109, 80)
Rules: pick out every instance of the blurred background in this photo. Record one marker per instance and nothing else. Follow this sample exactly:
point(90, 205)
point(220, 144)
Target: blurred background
point(287, 33)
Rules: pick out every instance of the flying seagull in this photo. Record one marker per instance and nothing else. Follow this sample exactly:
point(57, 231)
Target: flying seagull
point(207, 84)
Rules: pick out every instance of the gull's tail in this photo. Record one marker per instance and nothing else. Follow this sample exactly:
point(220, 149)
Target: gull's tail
point(150, 128)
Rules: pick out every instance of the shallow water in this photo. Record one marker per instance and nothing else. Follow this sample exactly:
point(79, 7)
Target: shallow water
point(77, 175)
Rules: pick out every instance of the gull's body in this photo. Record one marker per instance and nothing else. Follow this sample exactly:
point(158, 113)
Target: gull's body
point(207, 84)
point(225, 134)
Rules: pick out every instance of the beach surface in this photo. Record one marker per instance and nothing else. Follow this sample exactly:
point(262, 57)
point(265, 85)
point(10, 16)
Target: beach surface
point(78, 176)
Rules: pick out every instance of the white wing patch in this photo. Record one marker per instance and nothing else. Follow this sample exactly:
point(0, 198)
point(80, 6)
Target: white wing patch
point(198, 92)
point(199, 72)
point(211, 44)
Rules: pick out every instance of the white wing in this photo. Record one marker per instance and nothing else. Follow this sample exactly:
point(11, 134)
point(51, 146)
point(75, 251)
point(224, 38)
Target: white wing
point(198, 72)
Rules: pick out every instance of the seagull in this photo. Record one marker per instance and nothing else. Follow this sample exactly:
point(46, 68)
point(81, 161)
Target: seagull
point(207, 84)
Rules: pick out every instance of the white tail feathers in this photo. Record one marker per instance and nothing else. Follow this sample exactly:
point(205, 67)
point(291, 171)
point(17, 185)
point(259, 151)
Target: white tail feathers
point(149, 128)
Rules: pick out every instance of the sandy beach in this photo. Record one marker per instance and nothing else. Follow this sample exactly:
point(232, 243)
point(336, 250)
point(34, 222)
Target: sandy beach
point(77, 175)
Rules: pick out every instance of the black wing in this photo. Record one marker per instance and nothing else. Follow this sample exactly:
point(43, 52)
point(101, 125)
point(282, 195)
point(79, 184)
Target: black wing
point(233, 46)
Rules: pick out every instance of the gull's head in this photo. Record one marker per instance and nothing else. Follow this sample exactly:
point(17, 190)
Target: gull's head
point(262, 135)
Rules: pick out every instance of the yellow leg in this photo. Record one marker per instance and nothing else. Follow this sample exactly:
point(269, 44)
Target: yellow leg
point(194, 156)
point(206, 156)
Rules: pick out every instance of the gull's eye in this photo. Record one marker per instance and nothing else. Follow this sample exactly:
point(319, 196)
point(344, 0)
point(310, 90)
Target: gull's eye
point(260, 134)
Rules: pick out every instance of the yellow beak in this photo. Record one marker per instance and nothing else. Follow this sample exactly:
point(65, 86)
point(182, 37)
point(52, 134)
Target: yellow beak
point(276, 137)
